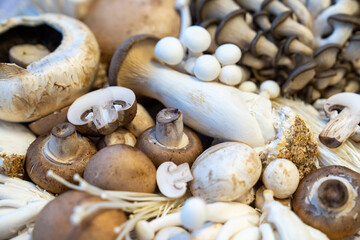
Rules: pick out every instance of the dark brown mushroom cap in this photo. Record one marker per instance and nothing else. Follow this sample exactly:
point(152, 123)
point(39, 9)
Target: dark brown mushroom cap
point(158, 153)
point(37, 164)
point(335, 224)
point(296, 81)
point(53, 222)
point(123, 168)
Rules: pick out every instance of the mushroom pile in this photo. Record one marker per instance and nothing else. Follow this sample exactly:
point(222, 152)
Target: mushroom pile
point(308, 47)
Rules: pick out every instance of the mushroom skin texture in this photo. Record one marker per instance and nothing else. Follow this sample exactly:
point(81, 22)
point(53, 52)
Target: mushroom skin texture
point(14, 142)
point(63, 151)
point(225, 172)
point(328, 200)
point(54, 81)
point(54, 222)
point(169, 140)
point(102, 111)
point(123, 168)
point(115, 21)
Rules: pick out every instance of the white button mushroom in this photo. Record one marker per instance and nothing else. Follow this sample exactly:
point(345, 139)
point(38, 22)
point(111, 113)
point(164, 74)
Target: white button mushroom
point(172, 179)
point(231, 75)
point(270, 89)
point(197, 39)
point(207, 68)
point(282, 177)
point(248, 86)
point(169, 50)
point(228, 54)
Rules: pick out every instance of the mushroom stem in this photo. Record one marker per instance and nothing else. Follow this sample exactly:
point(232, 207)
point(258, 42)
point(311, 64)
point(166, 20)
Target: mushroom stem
point(180, 174)
point(332, 194)
point(169, 129)
point(63, 143)
point(183, 7)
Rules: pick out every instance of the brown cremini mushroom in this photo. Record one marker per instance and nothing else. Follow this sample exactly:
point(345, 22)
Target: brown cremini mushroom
point(121, 167)
point(344, 113)
point(328, 200)
point(103, 111)
point(169, 140)
point(63, 151)
point(54, 221)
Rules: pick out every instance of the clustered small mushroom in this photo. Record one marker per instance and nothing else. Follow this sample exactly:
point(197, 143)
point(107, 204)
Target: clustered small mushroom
point(63, 151)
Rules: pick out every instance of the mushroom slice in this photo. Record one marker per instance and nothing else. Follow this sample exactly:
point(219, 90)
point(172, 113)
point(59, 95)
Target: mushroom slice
point(51, 81)
point(103, 111)
point(328, 200)
point(344, 113)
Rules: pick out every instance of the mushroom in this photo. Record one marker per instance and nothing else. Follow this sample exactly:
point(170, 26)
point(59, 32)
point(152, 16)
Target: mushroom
point(248, 86)
point(301, 12)
point(141, 121)
point(259, 199)
point(183, 6)
point(172, 179)
point(55, 219)
point(300, 77)
point(169, 140)
point(170, 50)
point(207, 68)
point(25, 54)
point(55, 80)
point(44, 125)
point(208, 231)
point(344, 119)
point(270, 89)
point(211, 26)
point(248, 233)
point(327, 199)
point(225, 172)
point(315, 7)
point(121, 167)
point(282, 177)
point(232, 75)
point(262, 20)
point(294, 46)
point(103, 111)
point(214, 9)
point(14, 142)
point(63, 151)
point(228, 54)
point(326, 56)
point(157, 81)
point(351, 52)
point(120, 136)
point(197, 39)
point(171, 233)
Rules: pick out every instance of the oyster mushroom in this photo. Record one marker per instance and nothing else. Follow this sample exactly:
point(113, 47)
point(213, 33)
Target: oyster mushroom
point(214, 9)
point(63, 151)
point(326, 56)
point(103, 111)
point(54, 81)
point(300, 77)
point(302, 13)
point(344, 117)
point(14, 142)
point(134, 66)
point(328, 200)
point(169, 140)
point(352, 52)
point(262, 20)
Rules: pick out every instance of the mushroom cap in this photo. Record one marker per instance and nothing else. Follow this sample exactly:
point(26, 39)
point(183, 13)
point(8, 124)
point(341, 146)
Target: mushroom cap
point(207, 67)
point(231, 75)
point(193, 213)
point(196, 38)
point(170, 50)
point(159, 153)
point(336, 224)
point(282, 177)
point(54, 219)
point(225, 172)
point(114, 21)
point(228, 54)
point(271, 87)
point(37, 164)
point(55, 80)
point(118, 108)
point(123, 168)
point(248, 86)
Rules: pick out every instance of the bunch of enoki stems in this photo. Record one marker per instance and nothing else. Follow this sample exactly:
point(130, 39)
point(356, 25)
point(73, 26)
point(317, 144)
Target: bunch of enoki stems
point(140, 206)
point(348, 154)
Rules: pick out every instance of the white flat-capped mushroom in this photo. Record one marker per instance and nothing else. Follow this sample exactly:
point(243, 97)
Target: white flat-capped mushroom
point(228, 54)
point(170, 50)
point(55, 80)
point(207, 68)
point(197, 39)
point(104, 110)
point(282, 177)
point(270, 89)
point(172, 179)
point(231, 75)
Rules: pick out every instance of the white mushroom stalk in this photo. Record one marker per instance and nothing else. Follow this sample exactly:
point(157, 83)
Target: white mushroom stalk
point(141, 206)
point(183, 7)
point(23, 201)
point(55, 80)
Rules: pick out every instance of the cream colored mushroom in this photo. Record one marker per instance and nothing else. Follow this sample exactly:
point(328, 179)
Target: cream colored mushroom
point(55, 80)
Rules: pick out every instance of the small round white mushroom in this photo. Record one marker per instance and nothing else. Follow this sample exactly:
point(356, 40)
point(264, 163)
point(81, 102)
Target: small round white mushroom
point(172, 179)
point(231, 75)
point(207, 68)
point(248, 86)
point(170, 50)
point(193, 213)
point(228, 54)
point(282, 177)
point(197, 39)
point(270, 89)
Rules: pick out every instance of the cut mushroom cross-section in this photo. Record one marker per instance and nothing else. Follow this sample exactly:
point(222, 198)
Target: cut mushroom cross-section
point(344, 113)
point(103, 111)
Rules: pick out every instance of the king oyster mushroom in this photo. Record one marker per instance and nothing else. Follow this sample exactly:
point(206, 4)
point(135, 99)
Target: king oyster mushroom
point(53, 81)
